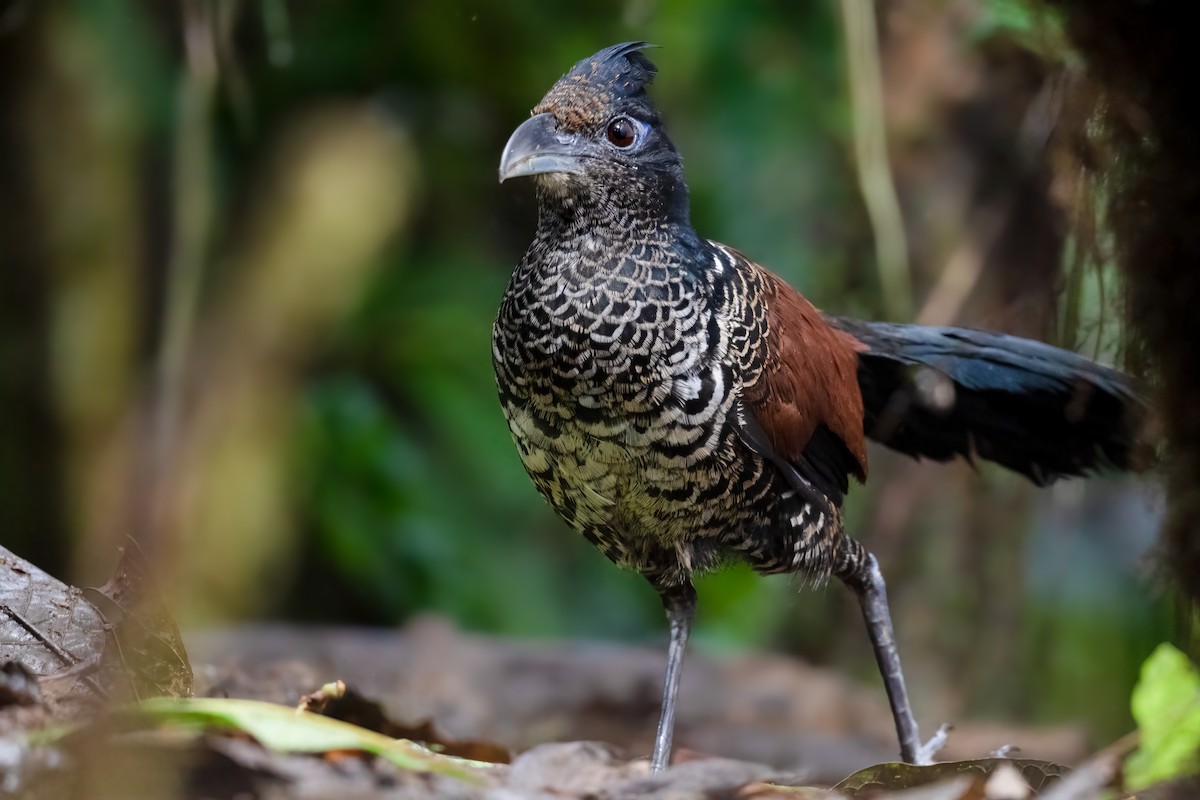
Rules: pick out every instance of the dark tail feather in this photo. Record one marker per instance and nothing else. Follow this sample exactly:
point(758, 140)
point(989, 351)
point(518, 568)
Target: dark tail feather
point(1041, 411)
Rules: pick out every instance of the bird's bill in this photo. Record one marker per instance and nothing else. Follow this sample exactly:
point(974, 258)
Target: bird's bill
point(537, 148)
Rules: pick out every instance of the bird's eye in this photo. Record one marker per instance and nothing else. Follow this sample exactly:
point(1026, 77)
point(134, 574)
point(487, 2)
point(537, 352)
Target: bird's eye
point(622, 132)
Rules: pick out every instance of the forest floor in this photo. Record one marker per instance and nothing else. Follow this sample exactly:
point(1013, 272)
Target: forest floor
point(102, 697)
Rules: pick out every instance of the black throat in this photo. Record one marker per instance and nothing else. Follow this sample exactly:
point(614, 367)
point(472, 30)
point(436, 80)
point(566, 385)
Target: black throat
point(641, 204)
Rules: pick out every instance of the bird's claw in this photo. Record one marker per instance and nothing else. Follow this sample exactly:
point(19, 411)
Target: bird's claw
point(927, 751)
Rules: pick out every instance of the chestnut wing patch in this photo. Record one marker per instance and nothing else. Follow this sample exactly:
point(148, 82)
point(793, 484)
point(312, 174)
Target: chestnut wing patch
point(806, 400)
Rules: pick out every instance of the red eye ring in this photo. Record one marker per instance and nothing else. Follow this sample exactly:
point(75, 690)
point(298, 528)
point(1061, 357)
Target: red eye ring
point(621, 132)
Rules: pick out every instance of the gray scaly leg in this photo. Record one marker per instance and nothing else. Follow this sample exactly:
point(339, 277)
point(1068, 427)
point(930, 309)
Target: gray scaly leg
point(680, 603)
point(867, 582)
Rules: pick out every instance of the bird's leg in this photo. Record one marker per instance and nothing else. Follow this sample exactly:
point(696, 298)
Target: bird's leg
point(680, 603)
point(859, 570)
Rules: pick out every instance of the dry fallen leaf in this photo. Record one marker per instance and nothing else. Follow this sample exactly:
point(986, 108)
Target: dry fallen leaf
point(53, 632)
point(339, 702)
point(894, 776)
point(146, 639)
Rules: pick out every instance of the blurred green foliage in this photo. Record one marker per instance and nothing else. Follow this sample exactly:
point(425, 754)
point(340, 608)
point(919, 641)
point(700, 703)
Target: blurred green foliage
point(1166, 705)
point(406, 494)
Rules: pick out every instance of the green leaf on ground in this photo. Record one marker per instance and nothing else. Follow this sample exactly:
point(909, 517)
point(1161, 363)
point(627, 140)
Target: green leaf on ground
point(1166, 705)
point(291, 731)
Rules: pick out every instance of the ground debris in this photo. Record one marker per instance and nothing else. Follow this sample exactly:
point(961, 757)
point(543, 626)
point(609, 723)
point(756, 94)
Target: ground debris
point(344, 739)
point(753, 707)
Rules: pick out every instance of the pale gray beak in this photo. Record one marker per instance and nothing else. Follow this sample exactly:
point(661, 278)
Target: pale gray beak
point(538, 147)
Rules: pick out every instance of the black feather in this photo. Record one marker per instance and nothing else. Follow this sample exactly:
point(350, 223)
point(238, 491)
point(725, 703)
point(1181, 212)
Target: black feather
point(1039, 410)
point(827, 463)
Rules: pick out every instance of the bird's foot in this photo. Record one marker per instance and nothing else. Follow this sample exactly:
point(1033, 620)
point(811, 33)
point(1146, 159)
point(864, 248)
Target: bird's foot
point(1004, 751)
point(927, 751)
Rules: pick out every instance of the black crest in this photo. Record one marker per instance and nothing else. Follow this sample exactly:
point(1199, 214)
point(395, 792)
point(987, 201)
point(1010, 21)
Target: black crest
point(620, 68)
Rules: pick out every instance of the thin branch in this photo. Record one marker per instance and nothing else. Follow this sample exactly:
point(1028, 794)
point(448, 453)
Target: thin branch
point(870, 149)
point(191, 227)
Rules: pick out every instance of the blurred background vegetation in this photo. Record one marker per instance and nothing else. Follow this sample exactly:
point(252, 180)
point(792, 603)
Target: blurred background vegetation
point(250, 254)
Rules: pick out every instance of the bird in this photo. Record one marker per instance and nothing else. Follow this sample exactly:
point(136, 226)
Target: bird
point(681, 406)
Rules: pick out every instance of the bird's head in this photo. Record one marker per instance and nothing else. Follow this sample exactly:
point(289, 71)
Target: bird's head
point(597, 133)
